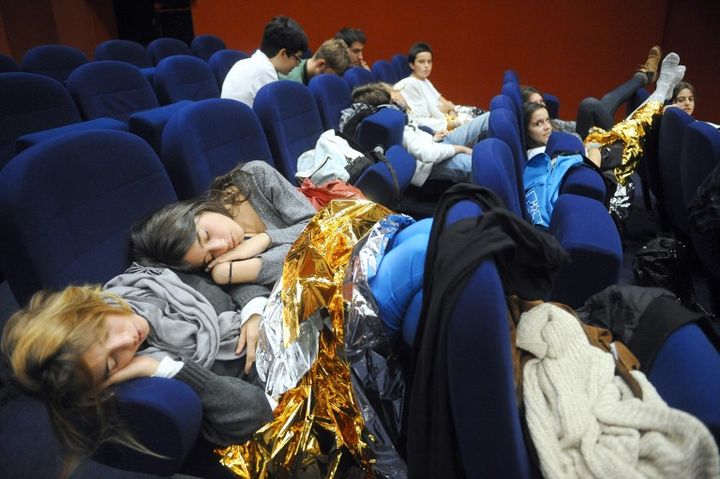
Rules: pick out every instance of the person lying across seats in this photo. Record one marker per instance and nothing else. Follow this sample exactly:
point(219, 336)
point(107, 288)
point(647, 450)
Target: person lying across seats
point(442, 156)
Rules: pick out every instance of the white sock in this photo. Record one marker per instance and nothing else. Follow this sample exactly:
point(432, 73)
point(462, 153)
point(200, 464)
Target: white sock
point(671, 73)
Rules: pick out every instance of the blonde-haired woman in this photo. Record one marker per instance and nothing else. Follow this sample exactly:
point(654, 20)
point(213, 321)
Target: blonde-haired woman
point(65, 348)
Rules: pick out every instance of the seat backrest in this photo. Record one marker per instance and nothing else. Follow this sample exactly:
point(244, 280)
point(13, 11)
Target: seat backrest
point(552, 103)
point(332, 95)
point(67, 205)
point(123, 51)
point(111, 89)
point(291, 120)
point(561, 142)
point(512, 90)
point(204, 46)
point(357, 76)
point(493, 167)
point(208, 139)
point(8, 64)
point(384, 127)
point(400, 62)
point(670, 139)
point(222, 61)
point(502, 125)
point(501, 101)
point(184, 77)
point(510, 76)
point(55, 61)
point(164, 47)
point(384, 71)
point(480, 379)
point(30, 103)
point(588, 233)
point(699, 158)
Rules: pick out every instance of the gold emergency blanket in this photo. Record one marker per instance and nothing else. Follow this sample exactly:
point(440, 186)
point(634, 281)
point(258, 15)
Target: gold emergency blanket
point(630, 132)
point(323, 401)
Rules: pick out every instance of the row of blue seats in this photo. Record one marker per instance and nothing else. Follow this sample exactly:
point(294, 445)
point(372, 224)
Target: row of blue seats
point(58, 61)
point(116, 90)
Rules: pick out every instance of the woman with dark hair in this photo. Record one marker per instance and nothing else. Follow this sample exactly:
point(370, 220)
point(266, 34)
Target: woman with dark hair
point(240, 231)
point(425, 104)
point(683, 97)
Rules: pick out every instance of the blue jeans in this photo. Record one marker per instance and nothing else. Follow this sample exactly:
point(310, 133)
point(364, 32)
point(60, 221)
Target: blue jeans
point(458, 167)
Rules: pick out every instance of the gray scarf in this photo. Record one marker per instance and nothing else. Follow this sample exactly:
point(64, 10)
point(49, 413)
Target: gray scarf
point(183, 323)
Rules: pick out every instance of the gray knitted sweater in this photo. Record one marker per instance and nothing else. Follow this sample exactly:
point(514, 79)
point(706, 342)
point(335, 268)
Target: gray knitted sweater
point(284, 210)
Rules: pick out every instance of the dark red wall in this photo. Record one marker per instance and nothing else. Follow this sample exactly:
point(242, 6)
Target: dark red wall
point(572, 49)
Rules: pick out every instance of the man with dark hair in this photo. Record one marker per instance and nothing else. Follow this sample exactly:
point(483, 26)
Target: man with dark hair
point(355, 40)
point(332, 57)
point(282, 46)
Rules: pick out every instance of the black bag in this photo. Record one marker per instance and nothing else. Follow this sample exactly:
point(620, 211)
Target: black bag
point(357, 167)
point(665, 262)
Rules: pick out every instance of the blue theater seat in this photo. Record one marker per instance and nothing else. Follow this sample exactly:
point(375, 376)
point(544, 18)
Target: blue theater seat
point(119, 90)
point(384, 71)
point(503, 126)
point(699, 158)
point(8, 64)
point(123, 51)
point(332, 95)
point(291, 120)
point(400, 62)
point(208, 139)
point(54, 61)
point(165, 47)
point(581, 180)
point(384, 127)
point(356, 76)
point(493, 167)
point(184, 77)
point(586, 231)
point(34, 108)
point(66, 208)
point(204, 46)
point(222, 61)
point(670, 144)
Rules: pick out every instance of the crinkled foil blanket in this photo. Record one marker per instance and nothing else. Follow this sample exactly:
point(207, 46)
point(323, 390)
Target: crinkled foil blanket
point(320, 404)
point(631, 133)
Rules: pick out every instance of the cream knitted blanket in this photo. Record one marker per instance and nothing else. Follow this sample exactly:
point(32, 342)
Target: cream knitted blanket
point(585, 422)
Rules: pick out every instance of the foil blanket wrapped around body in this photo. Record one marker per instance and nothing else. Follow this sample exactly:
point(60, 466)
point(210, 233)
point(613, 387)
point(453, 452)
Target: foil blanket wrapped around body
point(631, 133)
point(319, 426)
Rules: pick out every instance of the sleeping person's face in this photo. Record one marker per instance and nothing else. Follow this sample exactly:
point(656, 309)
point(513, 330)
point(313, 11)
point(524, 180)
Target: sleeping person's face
point(115, 349)
point(216, 234)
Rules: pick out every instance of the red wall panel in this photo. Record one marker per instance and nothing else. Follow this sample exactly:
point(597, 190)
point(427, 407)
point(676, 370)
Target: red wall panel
point(573, 49)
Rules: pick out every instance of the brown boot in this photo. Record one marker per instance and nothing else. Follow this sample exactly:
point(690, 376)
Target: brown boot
point(651, 64)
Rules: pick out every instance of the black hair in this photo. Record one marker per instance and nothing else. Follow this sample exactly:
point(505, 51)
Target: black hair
point(528, 91)
point(529, 109)
point(416, 49)
point(283, 32)
point(351, 35)
point(164, 237)
point(679, 87)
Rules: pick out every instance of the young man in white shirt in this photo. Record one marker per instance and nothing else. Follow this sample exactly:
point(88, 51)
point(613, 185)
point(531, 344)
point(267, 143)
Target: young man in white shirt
point(283, 44)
